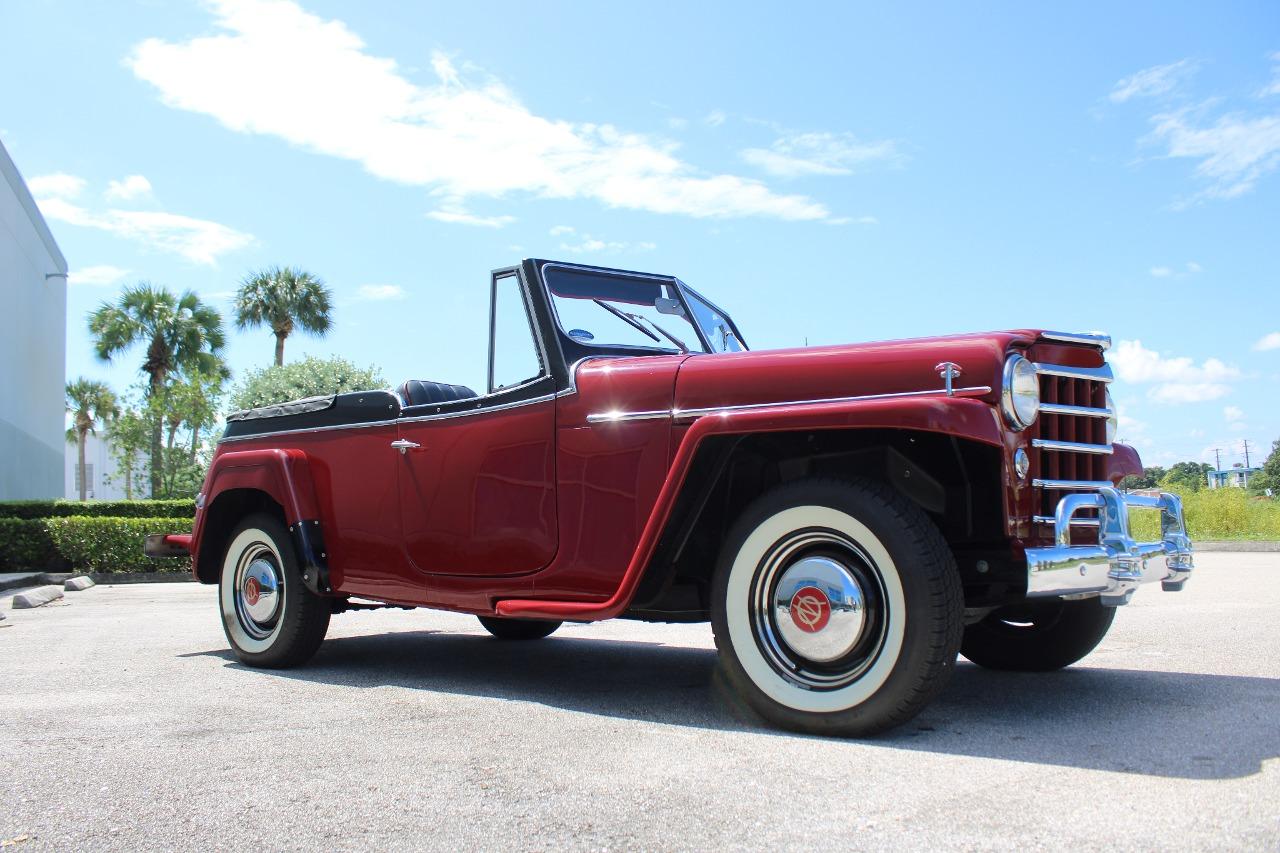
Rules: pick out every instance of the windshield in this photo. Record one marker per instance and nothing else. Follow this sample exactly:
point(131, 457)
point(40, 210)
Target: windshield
point(604, 310)
point(716, 325)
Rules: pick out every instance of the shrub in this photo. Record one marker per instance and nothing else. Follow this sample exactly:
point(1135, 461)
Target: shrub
point(25, 545)
point(1226, 513)
point(311, 377)
point(182, 508)
point(114, 544)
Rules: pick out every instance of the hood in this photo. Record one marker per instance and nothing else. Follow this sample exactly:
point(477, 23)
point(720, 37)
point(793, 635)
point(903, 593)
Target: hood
point(849, 370)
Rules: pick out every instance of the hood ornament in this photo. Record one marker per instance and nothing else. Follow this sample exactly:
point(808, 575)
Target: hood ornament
point(949, 371)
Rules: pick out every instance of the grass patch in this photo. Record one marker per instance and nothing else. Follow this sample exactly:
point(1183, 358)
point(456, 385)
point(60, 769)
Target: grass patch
point(1215, 514)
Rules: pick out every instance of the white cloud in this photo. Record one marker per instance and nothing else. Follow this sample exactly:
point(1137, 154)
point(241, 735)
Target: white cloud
point(197, 240)
point(1233, 152)
point(1161, 272)
point(57, 185)
point(461, 217)
point(1233, 413)
point(558, 230)
point(1267, 342)
point(1193, 267)
point(715, 118)
point(589, 244)
point(806, 154)
point(1173, 379)
point(103, 274)
point(381, 292)
point(1273, 88)
point(1148, 82)
point(274, 69)
point(134, 186)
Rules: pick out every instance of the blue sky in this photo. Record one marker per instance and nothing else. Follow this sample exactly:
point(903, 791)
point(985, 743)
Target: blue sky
point(831, 173)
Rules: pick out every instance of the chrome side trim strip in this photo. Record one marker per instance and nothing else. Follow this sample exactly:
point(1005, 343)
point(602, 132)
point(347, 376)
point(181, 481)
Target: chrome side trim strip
point(1075, 522)
point(444, 416)
point(694, 414)
point(1071, 446)
point(1070, 484)
point(1091, 339)
point(331, 427)
point(1079, 411)
point(1095, 374)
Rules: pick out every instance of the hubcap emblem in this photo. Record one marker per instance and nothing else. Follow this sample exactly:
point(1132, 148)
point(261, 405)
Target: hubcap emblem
point(810, 609)
point(252, 592)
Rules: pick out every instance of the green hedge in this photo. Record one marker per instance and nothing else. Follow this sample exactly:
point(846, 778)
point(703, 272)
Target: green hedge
point(1226, 513)
point(114, 544)
point(115, 509)
point(25, 545)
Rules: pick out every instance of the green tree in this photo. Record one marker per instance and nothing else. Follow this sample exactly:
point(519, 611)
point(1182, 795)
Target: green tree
point(89, 402)
point(1187, 477)
point(179, 332)
point(311, 377)
point(1269, 476)
point(130, 436)
point(284, 298)
point(1149, 479)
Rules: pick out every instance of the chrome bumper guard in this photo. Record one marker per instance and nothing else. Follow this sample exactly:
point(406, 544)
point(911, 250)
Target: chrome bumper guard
point(1117, 565)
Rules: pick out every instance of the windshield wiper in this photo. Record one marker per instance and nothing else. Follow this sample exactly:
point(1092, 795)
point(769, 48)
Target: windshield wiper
point(629, 319)
point(664, 332)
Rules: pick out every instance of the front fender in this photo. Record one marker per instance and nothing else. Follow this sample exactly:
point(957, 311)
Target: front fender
point(966, 418)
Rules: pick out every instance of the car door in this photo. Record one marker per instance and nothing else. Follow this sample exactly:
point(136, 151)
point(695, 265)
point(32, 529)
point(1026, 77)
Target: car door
point(477, 476)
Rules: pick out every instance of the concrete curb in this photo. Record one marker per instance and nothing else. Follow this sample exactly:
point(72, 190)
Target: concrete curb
point(36, 597)
point(108, 578)
point(1252, 546)
point(78, 583)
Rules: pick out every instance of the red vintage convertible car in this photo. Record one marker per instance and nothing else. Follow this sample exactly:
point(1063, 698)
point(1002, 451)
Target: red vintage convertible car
point(848, 518)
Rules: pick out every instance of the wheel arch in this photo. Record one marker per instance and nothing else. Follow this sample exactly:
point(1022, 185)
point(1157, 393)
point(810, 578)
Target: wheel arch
point(953, 479)
point(220, 518)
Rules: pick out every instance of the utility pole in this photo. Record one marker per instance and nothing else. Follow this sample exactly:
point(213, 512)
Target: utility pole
point(1217, 459)
point(1246, 452)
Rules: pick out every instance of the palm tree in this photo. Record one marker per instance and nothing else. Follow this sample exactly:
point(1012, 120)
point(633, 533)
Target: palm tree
point(89, 403)
point(282, 298)
point(179, 332)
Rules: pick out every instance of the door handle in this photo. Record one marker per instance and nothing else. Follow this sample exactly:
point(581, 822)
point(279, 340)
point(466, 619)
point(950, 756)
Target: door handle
point(404, 445)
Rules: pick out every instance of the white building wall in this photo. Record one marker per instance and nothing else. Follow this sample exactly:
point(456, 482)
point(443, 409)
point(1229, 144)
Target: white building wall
point(33, 346)
point(105, 482)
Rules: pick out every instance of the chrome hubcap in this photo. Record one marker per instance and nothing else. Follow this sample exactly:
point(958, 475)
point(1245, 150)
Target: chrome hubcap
point(818, 609)
point(258, 592)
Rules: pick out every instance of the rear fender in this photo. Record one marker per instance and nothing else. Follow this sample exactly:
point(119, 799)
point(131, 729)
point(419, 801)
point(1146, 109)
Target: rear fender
point(284, 477)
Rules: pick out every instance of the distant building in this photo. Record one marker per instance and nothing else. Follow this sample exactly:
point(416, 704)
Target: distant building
point(33, 345)
point(1237, 476)
point(105, 481)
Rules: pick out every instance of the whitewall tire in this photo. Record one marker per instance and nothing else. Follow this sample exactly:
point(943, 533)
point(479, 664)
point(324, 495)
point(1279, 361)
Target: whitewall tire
point(837, 607)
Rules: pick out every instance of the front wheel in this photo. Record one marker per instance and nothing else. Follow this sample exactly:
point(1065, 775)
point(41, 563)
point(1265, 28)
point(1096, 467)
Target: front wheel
point(1037, 636)
point(270, 618)
point(837, 607)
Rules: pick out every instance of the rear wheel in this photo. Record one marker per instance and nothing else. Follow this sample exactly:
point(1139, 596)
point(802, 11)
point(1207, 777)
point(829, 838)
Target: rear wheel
point(1038, 636)
point(836, 607)
point(270, 618)
point(518, 629)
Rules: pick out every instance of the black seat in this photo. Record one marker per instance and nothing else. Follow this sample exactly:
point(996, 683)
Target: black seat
point(420, 392)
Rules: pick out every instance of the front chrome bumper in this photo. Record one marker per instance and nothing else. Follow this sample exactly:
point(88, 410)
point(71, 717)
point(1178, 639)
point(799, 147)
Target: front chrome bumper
point(1116, 565)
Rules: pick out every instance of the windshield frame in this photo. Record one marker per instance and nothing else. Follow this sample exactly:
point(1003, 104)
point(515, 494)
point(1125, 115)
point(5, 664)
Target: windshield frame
point(706, 333)
point(704, 344)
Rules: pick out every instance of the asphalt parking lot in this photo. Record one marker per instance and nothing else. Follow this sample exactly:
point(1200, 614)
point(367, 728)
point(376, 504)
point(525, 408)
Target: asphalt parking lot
point(125, 723)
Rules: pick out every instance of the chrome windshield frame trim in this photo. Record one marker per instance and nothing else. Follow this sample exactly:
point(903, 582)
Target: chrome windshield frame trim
point(1067, 485)
point(1093, 374)
point(1072, 446)
point(1092, 339)
point(694, 414)
point(1077, 411)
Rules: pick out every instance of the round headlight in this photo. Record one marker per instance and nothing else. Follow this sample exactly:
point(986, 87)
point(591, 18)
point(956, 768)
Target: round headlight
point(1113, 419)
point(1020, 397)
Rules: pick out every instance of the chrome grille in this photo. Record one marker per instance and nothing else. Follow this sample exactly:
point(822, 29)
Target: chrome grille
point(1069, 446)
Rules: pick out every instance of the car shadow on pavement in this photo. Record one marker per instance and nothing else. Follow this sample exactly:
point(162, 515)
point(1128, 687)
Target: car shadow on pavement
point(1165, 724)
